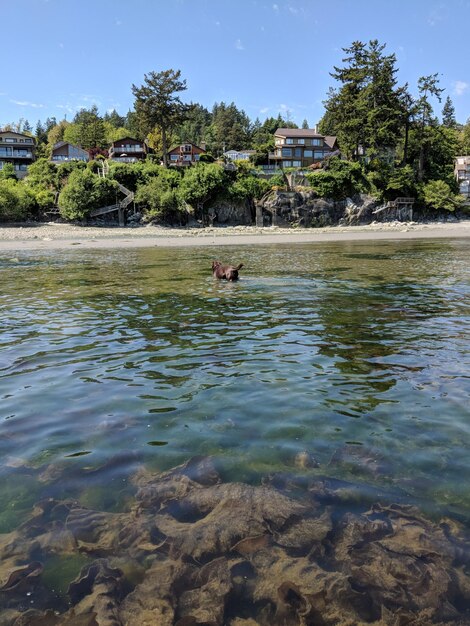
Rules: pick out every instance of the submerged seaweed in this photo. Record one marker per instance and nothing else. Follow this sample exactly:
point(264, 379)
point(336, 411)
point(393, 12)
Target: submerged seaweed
point(193, 550)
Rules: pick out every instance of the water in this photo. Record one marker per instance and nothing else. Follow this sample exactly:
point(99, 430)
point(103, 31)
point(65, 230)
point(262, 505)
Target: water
point(356, 353)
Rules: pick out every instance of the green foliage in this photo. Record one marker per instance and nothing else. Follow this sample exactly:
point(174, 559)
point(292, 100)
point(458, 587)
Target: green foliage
point(448, 114)
point(342, 179)
point(365, 111)
point(88, 130)
point(8, 172)
point(85, 191)
point(247, 185)
point(43, 174)
point(157, 105)
point(65, 168)
point(206, 158)
point(45, 198)
point(159, 197)
point(401, 182)
point(438, 195)
point(16, 200)
point(202, 183)
point(230, 129)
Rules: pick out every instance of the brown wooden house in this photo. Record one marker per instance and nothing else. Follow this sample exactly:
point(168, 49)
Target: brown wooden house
point(184, 155)
point(301, 147)
point(128, 150)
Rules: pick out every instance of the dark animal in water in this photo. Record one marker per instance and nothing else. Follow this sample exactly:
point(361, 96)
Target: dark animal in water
point(228, 272)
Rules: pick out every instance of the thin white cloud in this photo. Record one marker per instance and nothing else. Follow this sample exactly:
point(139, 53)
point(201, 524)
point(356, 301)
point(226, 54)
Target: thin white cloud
point(293, 10)
point(25, 103)
point(117, 22)
point(239, 45)
point(461, 87)
point(264, 110)
point(276, 8)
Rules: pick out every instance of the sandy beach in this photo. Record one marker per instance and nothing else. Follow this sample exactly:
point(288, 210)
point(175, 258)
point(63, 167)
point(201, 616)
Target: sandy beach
point(52, 235)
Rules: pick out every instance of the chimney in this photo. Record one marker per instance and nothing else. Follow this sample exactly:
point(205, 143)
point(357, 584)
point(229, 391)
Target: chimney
point(202, 145)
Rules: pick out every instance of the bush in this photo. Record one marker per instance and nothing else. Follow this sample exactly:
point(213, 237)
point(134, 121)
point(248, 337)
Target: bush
point(159, 198)
point(342, 179)
point(16, 200)
point(85, 191)
point(438, 195)
point(8, 172)
point(202, 183)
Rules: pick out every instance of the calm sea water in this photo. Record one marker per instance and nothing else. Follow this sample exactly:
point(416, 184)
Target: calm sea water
point(350, 351)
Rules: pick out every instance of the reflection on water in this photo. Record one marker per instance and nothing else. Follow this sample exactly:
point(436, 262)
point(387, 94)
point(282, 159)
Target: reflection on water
point(356, 354)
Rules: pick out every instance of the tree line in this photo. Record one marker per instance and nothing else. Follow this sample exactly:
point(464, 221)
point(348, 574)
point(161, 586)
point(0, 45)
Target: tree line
point(392, 141)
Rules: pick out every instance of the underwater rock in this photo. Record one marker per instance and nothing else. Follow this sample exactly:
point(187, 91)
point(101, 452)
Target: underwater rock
point(305, 459)
point(230, 554)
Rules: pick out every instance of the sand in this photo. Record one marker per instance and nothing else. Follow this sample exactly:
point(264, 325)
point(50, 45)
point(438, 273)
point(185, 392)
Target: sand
point(52, 235)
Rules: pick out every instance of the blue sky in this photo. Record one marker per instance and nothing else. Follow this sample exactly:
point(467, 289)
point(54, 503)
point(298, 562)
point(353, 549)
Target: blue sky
point(267, 56)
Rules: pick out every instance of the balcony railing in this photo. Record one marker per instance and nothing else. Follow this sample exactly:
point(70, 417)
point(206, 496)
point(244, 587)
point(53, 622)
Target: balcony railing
point(15, 154)
point(123, 149)
point(62, 157)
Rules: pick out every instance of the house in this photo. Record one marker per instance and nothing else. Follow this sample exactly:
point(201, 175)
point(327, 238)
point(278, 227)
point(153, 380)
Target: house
point(17, 149)
point(239, 155)
point(64, 151)
point(301, 147)
point(128, 150)
point(184, 155)
point(462, 174)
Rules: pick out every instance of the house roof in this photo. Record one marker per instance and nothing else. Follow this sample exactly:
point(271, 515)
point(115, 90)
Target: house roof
point(330, 140)
point(59, 144)
point(241, 151)
point(185, 143)
point(297, 132)
point(12, 132)
point(126, 138)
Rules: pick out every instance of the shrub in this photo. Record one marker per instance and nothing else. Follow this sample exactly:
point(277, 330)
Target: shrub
point(8, 172)
point(85, 191)
point(202, 183)
point(159, 197)
point(438, 195)
point(16, 200)
point(341, 180)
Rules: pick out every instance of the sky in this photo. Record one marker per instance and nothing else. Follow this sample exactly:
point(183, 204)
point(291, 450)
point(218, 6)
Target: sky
point(266, 56)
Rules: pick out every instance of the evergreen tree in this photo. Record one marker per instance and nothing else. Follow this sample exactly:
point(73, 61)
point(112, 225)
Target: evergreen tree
point(158, 105)
point(425, 120)
point(89, 131)
point(448, 114)
point(114, 119)
point(365, 111)
point(305, 124)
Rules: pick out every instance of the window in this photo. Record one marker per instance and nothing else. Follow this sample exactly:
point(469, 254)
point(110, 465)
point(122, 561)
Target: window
point(173, 157)
point(317, 142)
point(10, 140)
point(186, 157)
point(287, 163)
point(279, 142)
point(289, 140)
point(308, 154)
point(298, 152)
point(318, 154)
point(296, 163)
point(301, 142)
point(287, 152)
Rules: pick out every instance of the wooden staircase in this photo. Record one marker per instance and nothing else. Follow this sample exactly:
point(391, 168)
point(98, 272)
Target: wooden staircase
point(120, 206)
